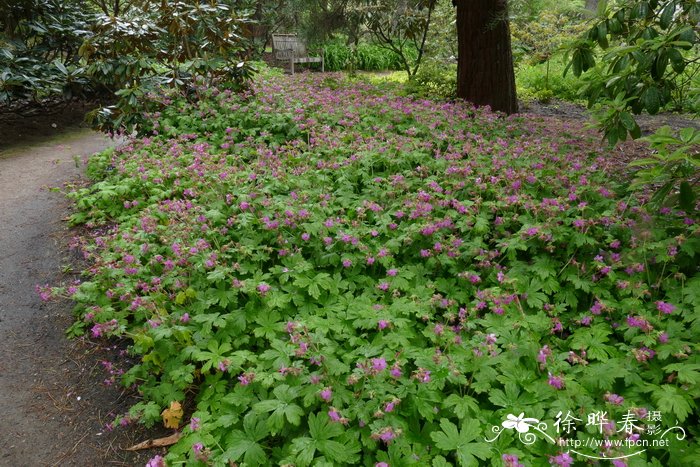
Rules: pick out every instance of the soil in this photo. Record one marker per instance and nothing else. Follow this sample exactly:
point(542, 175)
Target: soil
point(55, 405)
point(570, 111)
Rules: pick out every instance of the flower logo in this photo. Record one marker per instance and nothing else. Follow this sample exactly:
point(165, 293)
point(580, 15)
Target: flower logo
point(522, 425)
point(519, 423)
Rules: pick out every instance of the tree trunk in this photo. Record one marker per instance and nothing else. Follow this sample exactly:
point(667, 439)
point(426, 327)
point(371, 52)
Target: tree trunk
point(485, 73)
point(592, 5)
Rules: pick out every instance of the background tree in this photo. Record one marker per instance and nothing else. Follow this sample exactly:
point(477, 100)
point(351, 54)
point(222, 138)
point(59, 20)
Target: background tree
point(39, 42)
point(400, 26)
point(485, 74)
point(649, 57)
point(647, 47)
point(150, 44)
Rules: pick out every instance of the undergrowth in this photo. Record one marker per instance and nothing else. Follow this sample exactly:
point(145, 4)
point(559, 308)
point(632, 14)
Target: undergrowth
point(318, 273)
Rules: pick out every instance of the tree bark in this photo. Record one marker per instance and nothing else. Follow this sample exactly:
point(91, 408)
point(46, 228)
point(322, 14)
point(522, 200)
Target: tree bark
point(592, 5)
point(485, 73)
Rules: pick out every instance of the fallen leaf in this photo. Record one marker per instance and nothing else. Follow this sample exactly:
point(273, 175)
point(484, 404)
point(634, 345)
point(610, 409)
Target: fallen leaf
point(156, 443)
point(172, 415)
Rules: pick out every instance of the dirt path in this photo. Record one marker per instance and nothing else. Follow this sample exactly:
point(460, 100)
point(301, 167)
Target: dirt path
point(53, 405)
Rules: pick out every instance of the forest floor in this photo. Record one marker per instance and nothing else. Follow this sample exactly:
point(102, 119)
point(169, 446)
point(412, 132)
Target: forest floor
point(55, 405)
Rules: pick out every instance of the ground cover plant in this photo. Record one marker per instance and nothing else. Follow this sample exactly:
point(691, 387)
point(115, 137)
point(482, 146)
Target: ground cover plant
point(315, 272)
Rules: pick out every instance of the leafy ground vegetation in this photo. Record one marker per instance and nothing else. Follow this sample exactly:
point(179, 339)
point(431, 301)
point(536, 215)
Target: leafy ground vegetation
point(319, 272)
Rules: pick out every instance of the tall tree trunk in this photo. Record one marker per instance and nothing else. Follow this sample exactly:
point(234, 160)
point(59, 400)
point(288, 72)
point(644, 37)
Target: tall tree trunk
point(485, 73)
point(591, 8)
point(592, 5)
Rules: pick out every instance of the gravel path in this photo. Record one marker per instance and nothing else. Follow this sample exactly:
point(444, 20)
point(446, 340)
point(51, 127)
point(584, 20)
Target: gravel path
point(53, 406)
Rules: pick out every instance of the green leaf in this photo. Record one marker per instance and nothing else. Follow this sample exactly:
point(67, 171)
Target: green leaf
point(321, 428)
point(305, 449)
point(678, 63)
point(334, 450)
point(245, 443)
point(461, 405)
point(602, 7)
point(660, 65)
point(686, 197)
point(627, 120)
point(314, 291)
point(440, 461)
point(651, 100)
point(452, 439)
point(666, 16)
point(670, 399)
point(687, 373)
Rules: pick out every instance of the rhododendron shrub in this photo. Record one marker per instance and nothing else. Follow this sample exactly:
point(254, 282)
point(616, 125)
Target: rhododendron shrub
point(327, 274)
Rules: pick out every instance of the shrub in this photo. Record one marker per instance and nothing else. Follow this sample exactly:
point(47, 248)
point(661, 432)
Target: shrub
point(547, 80)
point(537, 39)
point(434, 79)
point(365, 57)
point(39, 41)
point(154, 44)
point(323, 274)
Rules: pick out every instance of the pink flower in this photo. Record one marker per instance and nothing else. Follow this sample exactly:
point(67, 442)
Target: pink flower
point(390, 406)
point(395, 371)
point(557, 326)
point(199, 453)
point(664, 307)
point(156, 461)
point(246, 378)
point(347, 263)
point(643, 354)
point(639, 322)
point(614, 399)
point(382, 324)
point(555, 381)
point(194, 423)
point(263, 288)
point(185, 318)
point(44, 292)
point(378, 364)
point(334, 415)
point(562, 460)
point(422, 375)
point(326, 394)
point(511, 460)
point(385, 434)
point(597, 308)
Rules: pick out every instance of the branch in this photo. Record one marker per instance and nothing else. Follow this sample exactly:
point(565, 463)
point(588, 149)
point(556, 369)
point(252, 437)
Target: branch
point(425, 35)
